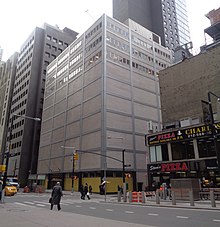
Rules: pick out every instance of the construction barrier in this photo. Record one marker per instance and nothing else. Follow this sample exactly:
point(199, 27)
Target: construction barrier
point(137, 197)
point(150, 194)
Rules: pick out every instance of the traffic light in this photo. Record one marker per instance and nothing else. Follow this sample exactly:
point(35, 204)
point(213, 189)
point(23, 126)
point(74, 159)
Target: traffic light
point(76, 156)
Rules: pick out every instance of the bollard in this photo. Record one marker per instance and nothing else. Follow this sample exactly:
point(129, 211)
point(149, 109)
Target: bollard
point(191, 199)
point(173, 198)
point(130, 197)
point(212, 198)
point(143, 196)
point(157, 197)
point(119, 196)
point(3, 195)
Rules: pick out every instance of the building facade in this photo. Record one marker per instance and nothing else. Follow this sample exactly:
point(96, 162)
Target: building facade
point(187, 152)
point(166, 18)
point(184, 85)
point(100, 94)
point(41, 47)
point(7, 79)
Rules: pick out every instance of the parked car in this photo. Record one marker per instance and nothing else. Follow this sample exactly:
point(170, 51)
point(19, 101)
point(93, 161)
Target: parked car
point(13, 181)
point(10, 190)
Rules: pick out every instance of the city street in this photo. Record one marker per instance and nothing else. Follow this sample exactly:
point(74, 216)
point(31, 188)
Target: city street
point(96, 211)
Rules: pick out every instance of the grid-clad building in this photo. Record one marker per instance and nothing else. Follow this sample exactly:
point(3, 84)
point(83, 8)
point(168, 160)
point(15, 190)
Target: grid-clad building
point(100, 94)
point(7, 78)
point(166, 18)
point(41, 47)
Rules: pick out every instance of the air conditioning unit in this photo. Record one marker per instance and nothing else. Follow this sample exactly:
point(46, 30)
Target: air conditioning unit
point(150, 126)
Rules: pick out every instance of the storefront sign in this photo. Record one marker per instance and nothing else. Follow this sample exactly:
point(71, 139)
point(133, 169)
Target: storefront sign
point(173, 167)
point(182, 134)
point(169, 167)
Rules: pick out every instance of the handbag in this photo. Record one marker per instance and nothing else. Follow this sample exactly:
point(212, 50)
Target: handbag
point(50, 200)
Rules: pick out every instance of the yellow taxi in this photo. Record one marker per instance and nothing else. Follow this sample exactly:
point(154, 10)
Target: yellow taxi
point(10, 190)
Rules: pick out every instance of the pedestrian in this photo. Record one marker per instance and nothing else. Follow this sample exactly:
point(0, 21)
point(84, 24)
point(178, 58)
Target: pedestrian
point(56, 196)
point(81, 189)
point(86, 191)
point(90, 189)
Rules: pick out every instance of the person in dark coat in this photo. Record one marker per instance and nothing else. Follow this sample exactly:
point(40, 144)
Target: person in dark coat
point(86, 190)
point(56, 196)
point(81, 189)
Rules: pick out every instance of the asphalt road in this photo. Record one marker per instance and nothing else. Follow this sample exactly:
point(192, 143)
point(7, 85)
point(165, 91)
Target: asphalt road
point(145, 215)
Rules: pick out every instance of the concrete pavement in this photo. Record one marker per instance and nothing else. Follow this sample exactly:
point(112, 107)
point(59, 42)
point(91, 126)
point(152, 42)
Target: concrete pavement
point(29, 216)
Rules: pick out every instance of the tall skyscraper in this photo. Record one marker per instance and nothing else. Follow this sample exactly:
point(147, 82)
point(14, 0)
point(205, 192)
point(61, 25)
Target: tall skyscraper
point(166, 18)
point(100, 94)
point(41, 47)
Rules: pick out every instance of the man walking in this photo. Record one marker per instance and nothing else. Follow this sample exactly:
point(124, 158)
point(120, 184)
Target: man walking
point(56, 196)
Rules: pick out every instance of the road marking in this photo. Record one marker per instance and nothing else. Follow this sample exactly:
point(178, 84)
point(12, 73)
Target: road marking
point(183, 217)
point(129, 212)
point(22, 204)
point(92, 208)
point(109, 210)
point(151, 214)
point(40, 205)
point(29, 203)
point(216, 220)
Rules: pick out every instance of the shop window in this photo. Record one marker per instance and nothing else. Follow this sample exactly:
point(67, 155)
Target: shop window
point(159, 153)
point(182, 150)
point(206, 148)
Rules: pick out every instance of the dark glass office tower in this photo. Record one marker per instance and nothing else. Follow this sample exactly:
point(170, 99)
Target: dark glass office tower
point(42, 46)
point(167, 18)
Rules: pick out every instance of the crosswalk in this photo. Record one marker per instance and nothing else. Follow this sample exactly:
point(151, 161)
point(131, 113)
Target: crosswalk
point(45, 203)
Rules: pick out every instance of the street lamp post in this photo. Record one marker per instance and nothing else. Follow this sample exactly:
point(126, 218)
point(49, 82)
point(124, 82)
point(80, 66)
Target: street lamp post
point(123, 168)
point(213, 129)
point(7, 154)
point(73, 165)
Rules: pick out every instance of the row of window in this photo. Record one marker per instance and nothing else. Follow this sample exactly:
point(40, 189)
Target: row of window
point(62, 70)
point(22, 78)
point(117, 30)
point(74, 60)
point(47, 54)
point(182, 150)
point(143, 68)
point(118, 44)
point(75, 47)
point(93, 59)
point(18, 98)
point(65, 79)
point(54, 48)
point(148, 58)
point(17, 107)
point(15, 145)
point(117, 58)
point(26, 49)
point(63, 58)
point(94, 30)
point(122, 60)
point(93, 44)
point(55, 40)
point(25, 60)
point(20, 88)
point(23, 70)
point(162, 53)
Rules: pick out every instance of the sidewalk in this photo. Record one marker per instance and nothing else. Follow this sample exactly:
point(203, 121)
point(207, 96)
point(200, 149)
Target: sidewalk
point(150, 201)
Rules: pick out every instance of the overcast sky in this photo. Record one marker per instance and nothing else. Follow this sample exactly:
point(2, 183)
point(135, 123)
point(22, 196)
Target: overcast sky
point(18, 18)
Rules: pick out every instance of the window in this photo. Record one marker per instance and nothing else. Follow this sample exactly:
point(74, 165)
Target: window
point(182, 150)
point(54, 40)
point(206, 148)
point(159, 153)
